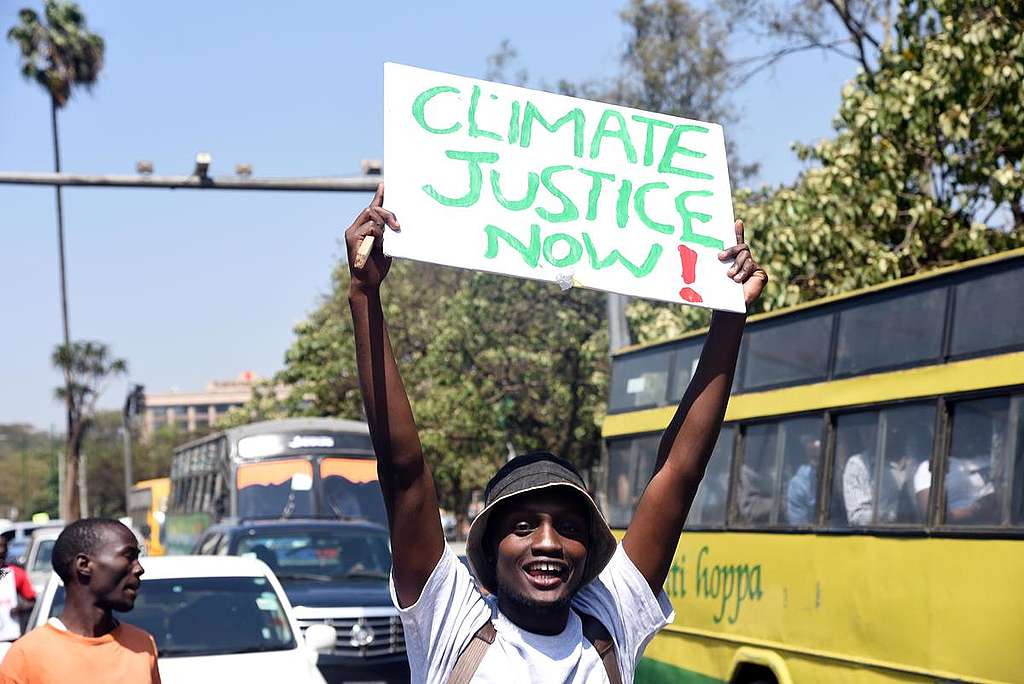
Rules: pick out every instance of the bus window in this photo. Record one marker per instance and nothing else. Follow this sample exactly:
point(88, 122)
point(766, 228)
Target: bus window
point(708, 509)
point(893, 332)
point(779, 473)
point(977, 326)
point(619, 494)
point(275, 489)
point(985, 447)
point(853, 491)
point(781, 354)
point(801, 463)
point(684, 365)
point(877, 456)
point(758, 475)
point(630, 465)
point(639, 380)
point(351, 490)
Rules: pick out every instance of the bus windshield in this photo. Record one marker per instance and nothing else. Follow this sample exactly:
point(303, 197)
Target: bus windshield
point(276, 489)
point(350, 488)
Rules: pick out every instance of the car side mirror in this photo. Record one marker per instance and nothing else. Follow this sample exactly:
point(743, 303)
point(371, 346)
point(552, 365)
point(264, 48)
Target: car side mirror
point(320, 638)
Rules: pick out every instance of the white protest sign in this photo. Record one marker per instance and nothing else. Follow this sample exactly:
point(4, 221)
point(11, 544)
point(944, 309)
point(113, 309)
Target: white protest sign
point(516, 181)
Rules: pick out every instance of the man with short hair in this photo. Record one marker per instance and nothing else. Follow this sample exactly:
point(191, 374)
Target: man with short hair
point(98, 561)
point(16, 596)
point(564, 602)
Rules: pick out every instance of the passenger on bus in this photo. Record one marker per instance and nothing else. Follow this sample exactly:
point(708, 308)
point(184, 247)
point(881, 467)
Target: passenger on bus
point(754, 499)
point(903, 450)
point(802, 492)
point(969, 492)
point(620, 509)
point(563, 600)
point(857, 442)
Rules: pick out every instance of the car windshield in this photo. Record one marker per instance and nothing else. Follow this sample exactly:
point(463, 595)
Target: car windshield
point(42, 561)
point(321, 554)
point(16, 550)
point(198, 616)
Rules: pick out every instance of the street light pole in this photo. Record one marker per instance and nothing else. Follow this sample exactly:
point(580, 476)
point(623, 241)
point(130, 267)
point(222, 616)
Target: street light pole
point(364, 183)
point(24, 476)
point(133, 404)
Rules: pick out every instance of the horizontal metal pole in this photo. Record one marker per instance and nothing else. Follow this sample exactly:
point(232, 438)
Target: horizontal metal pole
point(324, 184)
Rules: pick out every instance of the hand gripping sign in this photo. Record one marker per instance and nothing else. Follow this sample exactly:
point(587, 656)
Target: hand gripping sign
point(509, 180)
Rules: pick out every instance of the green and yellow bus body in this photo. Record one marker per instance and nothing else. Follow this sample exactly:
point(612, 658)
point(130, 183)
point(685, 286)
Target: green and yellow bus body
point(816, 549)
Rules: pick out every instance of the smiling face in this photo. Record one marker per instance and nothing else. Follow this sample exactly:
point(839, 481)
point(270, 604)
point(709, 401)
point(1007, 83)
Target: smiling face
point(538, 542)
point(112, 570)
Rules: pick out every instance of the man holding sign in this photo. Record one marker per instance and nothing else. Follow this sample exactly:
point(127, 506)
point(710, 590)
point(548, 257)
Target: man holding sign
point(563, 602)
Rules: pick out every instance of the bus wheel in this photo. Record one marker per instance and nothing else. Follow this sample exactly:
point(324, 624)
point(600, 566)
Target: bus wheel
point(753, 674)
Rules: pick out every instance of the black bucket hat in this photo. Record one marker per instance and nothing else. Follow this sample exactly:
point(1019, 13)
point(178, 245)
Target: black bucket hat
point(528, 473)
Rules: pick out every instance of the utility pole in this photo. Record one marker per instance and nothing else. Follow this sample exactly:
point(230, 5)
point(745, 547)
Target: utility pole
point(134, 405)
point(24, 476)
point(68, 397)
point(618, 328)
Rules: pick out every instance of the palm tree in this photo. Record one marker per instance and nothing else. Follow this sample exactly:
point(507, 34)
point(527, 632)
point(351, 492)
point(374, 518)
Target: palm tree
point(87, 367)
point(59, 55)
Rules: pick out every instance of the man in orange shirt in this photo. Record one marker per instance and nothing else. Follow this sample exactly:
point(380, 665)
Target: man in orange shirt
point(98, 560)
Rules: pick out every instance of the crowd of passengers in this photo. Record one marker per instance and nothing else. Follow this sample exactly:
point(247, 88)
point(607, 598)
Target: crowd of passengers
point(901, 483)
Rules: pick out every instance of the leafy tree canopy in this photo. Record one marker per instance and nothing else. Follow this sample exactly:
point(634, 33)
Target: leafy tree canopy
point(60, 52)
point(924, 169)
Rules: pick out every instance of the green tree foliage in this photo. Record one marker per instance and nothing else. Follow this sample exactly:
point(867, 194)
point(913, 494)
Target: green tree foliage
point(87, 366)
point(490, 363)
point(924, 169)
point(28, 461)
point(104, 461)
point(60, 52)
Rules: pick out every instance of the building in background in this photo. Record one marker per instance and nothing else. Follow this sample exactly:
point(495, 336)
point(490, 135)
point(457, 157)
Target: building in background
point(194, 411)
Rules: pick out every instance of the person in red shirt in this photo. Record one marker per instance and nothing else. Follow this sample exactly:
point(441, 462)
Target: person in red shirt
point(16, 597)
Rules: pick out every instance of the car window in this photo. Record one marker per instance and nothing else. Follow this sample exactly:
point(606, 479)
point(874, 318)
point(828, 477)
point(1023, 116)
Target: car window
point(209, 542)
point(321, 553)
point(207, 615)
point(43, 555)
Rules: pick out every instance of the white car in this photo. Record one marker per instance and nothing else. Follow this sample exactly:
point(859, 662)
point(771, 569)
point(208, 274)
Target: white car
point(215, 618)
point(37, 558)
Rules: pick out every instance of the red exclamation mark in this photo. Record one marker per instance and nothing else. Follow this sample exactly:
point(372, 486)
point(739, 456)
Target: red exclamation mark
point(689, 259)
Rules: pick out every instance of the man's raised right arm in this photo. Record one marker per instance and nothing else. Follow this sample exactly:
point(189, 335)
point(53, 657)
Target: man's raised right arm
point(417, 540)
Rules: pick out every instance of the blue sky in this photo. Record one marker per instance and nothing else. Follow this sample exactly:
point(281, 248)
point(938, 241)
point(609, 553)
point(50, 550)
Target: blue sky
point(191, 286)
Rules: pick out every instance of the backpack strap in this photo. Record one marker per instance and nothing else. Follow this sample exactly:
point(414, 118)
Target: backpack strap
point(471, 656)
point(597, 634)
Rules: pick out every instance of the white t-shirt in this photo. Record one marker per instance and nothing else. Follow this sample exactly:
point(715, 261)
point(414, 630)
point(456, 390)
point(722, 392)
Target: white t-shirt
point(451, 609)
point(10, 629)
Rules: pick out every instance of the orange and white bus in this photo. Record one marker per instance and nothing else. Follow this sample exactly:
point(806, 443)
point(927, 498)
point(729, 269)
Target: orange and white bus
point(289, 468)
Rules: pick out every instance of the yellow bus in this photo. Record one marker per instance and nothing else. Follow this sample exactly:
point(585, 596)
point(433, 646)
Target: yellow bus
point(816, 549)
point(147, 506)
